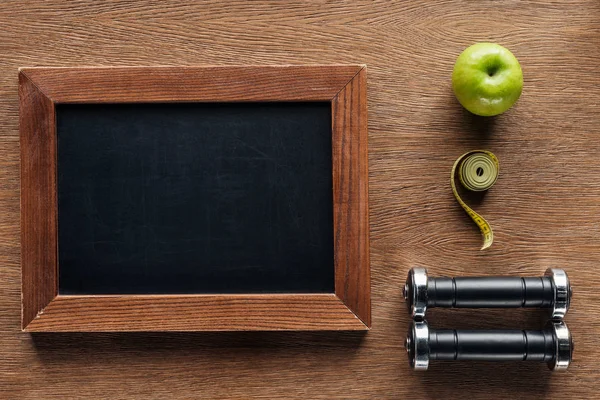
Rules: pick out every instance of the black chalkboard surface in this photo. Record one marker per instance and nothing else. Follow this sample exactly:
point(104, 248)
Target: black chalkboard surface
point(181, 198)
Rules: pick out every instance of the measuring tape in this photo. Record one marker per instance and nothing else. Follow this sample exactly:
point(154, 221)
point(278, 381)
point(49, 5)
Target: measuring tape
point(477, 171)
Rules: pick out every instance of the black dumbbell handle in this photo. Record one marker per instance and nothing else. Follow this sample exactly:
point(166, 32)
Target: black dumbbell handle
point(552, 345)
point(551, 291)
point(492, 345)
point(490, 292)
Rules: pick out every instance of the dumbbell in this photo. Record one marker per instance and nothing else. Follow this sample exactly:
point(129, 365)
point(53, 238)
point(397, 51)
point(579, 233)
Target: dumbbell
point(552, 291)
point(553, 345)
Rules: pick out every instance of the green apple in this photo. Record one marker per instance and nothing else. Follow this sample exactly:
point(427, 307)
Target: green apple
point(487, 79)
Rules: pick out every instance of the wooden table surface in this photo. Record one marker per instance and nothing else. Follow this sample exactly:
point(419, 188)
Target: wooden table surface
point(545, 207)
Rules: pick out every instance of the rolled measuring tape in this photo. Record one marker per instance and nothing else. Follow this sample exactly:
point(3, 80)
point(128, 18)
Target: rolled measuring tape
point(477, 171)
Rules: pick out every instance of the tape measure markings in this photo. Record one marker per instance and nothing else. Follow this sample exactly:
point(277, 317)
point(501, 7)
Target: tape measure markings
point(477, 171)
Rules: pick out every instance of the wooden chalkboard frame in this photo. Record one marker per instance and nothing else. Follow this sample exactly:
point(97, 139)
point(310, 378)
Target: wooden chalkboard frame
point(43, 309)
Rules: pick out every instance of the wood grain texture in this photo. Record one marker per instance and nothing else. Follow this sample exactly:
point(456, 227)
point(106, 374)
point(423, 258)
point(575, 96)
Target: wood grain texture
point(196, 313)
point(544, 207)
point(166, 84)
point(42, 88)
point(351, 196)
point(38, 205)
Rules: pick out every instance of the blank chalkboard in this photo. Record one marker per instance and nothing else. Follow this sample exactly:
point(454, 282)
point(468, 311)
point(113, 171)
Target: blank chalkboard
point(182, 198)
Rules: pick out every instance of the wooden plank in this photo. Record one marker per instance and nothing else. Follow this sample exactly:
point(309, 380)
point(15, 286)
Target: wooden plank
point(180, 84)
point(195, 313)
point(351, 196)
point(38, 199)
